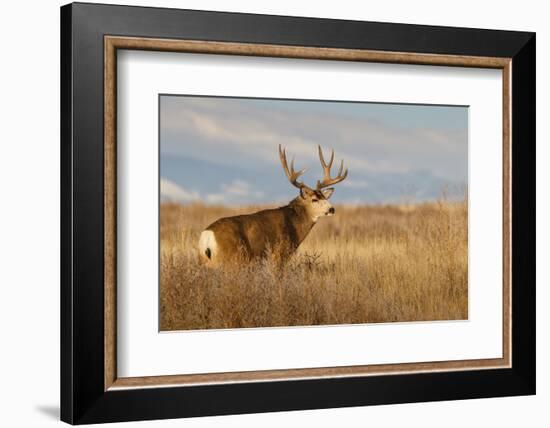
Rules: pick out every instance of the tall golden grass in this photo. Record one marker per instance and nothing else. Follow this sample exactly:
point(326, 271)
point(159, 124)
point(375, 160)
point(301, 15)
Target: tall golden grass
point(366, 264)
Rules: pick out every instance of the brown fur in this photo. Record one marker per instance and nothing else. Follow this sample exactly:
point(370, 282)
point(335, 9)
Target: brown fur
point(278, 231)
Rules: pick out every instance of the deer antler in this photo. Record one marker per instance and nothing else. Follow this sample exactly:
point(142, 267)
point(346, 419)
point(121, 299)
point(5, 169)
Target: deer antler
point(290, 173)
point(327, 180)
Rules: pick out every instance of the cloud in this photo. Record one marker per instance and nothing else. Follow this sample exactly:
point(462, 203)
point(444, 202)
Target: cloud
point(229, 147)
point(248, 131)
point(357, 184)
point(235, 192)
point(171, 192)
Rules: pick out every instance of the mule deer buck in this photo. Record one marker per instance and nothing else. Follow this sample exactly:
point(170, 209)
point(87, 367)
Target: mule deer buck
point(277, 231)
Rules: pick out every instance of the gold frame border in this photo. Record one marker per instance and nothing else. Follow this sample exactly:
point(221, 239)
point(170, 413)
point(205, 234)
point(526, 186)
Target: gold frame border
point(112, 43)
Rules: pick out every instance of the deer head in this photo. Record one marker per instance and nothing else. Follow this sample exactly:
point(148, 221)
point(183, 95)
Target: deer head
point(315, 201)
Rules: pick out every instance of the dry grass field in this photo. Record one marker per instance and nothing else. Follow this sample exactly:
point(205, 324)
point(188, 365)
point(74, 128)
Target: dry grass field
point(366, 264)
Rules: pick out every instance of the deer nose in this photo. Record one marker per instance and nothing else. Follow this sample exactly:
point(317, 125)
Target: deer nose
point(331, 210)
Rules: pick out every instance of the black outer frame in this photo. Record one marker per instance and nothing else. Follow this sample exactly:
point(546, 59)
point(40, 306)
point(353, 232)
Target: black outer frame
point(83, 399)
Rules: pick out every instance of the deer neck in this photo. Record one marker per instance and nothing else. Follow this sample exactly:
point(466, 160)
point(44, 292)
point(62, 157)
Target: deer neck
point(300, 220)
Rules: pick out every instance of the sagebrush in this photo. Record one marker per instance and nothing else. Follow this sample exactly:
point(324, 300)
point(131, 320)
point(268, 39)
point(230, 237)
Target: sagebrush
point(366, 264)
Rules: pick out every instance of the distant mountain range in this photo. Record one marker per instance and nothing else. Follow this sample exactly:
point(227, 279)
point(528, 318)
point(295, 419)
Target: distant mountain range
point(185, 179)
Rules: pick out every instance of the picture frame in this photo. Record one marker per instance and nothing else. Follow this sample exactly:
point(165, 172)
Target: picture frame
point(91, 391)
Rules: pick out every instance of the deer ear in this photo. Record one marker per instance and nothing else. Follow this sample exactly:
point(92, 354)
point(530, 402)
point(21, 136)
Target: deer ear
point(327, 193)
point(304, 192)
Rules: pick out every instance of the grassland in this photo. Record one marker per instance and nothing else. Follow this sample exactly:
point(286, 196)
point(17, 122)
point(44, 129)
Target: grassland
point(366, 264)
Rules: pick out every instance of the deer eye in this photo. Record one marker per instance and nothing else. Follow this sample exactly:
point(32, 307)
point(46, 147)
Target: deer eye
point(315, 200)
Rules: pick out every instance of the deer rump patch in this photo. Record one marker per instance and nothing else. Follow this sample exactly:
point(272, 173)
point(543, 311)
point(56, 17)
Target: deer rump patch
point(207, 244)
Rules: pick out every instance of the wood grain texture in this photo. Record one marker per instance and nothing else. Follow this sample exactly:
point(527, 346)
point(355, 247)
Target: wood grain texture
point(112, 43)
point(109, 196)
point(507, 213)
point(296, 374)
point(301, 52)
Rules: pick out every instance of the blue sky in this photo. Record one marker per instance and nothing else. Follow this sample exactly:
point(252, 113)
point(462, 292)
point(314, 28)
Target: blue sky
point(224, 150)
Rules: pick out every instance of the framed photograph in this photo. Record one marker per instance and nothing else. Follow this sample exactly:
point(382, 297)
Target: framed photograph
point(265, 213)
